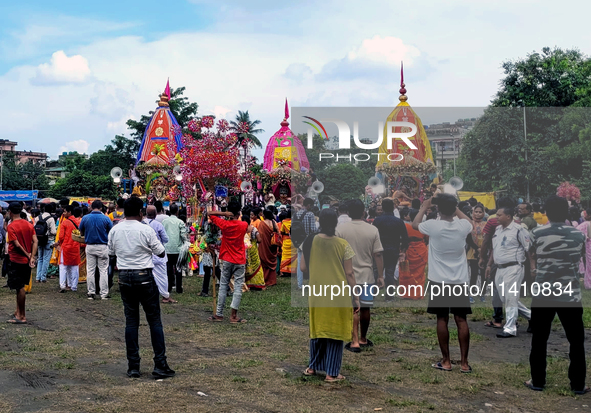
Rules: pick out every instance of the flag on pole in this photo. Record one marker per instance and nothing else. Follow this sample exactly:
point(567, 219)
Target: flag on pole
point(167, 90)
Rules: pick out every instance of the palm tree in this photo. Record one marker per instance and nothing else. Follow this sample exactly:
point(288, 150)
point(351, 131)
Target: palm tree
point(245, 130)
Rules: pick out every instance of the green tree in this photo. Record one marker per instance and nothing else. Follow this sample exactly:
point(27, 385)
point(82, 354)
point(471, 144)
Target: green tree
point(84, 183)
point(181, 108)
point(248, 133)
point(119, 153)
point(496, 154)
point(554, 77)
point(22, 176)
point(343, 181)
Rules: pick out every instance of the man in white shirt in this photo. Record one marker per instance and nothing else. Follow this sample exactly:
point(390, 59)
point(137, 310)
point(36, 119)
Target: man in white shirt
point(133, 243)
point(448, 267)
point(510, 248)
point(343, 214)
point(365, 241)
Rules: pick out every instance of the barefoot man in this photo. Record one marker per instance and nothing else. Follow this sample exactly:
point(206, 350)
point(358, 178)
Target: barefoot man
point(22, 248)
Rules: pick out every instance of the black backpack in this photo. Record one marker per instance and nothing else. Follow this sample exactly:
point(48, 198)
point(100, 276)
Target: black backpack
point(41, 230)
point(298, 231)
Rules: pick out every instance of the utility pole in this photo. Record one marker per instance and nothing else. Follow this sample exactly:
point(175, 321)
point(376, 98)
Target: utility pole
point(1, 167)
point(526, 165)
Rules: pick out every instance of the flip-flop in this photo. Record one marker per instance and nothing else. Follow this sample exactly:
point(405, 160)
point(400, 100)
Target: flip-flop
point(239, 321)
point(352, 349)
point(305, 372)
point(15, 320)
point(492, 325)
point(336, 380)
point(215, 319)
point(368, 344)
point(466, 371)
point(439, 366)
point(581, 392)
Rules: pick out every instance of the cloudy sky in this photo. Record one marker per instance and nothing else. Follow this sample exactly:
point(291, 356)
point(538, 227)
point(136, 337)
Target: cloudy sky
point(72, 72)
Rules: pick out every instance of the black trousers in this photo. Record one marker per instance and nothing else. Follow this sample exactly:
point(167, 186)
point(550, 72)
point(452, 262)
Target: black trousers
point(175, 277)
point(207, 277)
point(138, 287)
point(111, 270)
point(391, 257)
point(572, 322)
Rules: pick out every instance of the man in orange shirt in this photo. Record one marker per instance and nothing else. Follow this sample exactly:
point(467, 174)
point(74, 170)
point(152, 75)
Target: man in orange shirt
point(22, 248)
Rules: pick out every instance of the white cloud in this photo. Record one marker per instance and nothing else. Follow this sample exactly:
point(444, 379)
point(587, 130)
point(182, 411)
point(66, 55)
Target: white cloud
point(376, 59)
point(80, 146)
point(221, 112)
point(62, 69)
point(388, 50)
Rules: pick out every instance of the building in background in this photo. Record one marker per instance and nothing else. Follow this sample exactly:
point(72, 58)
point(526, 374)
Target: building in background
point(446, 141)
point(22, 156)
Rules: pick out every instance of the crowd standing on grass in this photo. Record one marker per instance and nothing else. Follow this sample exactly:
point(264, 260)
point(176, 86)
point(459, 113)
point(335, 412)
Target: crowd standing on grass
point(451, 254)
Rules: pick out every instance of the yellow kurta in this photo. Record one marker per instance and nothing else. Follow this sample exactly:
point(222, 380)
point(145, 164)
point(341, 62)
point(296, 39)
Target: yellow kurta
point(329, 318)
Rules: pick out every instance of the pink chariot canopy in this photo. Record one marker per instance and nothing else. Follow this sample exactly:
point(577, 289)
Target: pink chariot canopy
point(284, 144)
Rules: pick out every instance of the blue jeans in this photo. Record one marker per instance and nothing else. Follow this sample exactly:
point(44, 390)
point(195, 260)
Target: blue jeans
point(138, 287)
point(44, 254)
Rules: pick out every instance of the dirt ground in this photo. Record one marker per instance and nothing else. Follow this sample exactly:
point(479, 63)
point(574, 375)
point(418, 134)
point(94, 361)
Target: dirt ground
point(71, 358)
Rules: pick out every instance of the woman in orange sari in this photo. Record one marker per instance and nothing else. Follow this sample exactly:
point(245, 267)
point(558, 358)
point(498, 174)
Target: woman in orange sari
point(416, 257)
point(288, 258)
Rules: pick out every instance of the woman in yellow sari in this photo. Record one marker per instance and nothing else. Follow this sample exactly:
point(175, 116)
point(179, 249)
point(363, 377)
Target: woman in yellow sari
point(329, 262)
point(288, 258)
point(254, 276)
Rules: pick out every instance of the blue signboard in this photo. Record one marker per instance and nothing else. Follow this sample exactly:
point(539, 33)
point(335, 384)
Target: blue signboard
point(8, 196)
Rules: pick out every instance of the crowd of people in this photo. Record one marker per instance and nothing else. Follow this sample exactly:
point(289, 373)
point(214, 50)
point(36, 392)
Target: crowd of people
point(422, 247)
point(465, 250)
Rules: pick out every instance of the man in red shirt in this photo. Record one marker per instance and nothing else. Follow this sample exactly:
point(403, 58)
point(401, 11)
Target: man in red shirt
point(232, 258)
point(22, 248)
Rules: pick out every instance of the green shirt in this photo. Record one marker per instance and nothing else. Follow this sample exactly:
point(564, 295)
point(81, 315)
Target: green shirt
point(529, 222)
point(177, 234)
point(558, 248)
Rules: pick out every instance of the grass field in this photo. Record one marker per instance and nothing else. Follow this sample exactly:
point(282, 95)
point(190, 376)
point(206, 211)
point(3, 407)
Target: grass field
point(71, 358)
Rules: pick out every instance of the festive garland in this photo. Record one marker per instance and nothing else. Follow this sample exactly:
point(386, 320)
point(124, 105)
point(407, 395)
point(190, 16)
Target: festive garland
point(569, 191)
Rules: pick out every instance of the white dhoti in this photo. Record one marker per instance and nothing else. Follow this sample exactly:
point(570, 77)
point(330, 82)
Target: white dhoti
point(508, 281)
point(68, 275)
point(160, 275)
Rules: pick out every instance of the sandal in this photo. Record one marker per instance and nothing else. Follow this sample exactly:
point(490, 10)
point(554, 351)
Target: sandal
point(352, 349)
point(466, 371)
point(337, 379)
point(215, 319)
point(308, 370)
point(439, 366)
point(493, 325)
point(15, 320)
point(239, 321)
point(368, 344)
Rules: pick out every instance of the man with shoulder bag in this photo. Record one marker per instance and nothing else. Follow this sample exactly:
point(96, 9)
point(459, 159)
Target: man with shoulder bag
point(45, 229)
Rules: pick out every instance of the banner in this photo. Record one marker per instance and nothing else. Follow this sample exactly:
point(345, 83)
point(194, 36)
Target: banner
point(8, 196)
point(485, 198)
